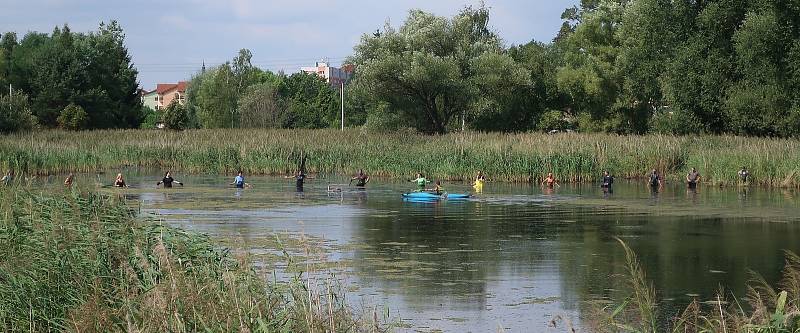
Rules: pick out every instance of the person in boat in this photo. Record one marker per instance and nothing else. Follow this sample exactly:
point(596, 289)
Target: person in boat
point(421, 182)
point(655, 180)
point(8, 178)
point(168, 180)
point(437, 188)
point(608, 180)
point(300, 178)
point(120, 181)
point(692, 178)
point(744, 176)
point(550, 181)
point(361, 179)
point(70, 179)
point(239, 182)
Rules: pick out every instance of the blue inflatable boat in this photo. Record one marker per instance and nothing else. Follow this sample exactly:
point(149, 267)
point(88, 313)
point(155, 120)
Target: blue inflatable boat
point(433, 196)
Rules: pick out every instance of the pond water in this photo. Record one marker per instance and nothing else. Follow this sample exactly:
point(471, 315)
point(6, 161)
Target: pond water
point(514, 257)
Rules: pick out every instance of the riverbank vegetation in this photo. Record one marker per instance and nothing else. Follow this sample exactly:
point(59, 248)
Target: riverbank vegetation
point(516, 158)
point(765, 308)
point(80, 261)
point(615, 66)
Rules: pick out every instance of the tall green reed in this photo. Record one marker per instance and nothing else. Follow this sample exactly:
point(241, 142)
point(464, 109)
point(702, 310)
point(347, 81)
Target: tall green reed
point(766, 309)
point(81, 261)
point(458, 156)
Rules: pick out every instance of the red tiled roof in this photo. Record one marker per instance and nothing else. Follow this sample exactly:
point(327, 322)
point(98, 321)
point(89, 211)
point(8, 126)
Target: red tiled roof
point(163, 88)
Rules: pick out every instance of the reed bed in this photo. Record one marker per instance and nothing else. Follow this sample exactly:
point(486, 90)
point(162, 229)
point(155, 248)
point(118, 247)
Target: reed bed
point(765, 308)
point(504, 157)
point(82, 262)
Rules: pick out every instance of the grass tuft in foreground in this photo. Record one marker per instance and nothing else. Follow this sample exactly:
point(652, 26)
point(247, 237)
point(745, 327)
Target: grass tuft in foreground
point(82, 262)
point(504, 157)
point(767, 310)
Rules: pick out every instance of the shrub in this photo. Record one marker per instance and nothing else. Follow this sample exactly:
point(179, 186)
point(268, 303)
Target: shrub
point(151, 118)
point(677, 122)
point(790, 125)
point(73, 117)
point(553, 120)
point(175, 117)
point(381, 119)
point(15, 113)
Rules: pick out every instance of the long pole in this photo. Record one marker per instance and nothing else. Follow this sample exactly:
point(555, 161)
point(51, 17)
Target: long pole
point(342, 106)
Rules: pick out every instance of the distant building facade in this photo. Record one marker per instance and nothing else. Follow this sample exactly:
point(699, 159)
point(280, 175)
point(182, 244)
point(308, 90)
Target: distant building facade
point(150, 99)
point(164, 94)
point(333, 75)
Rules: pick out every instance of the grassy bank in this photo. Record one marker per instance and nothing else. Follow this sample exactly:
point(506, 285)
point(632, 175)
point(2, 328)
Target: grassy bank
point(516, 158)
point(82, 262)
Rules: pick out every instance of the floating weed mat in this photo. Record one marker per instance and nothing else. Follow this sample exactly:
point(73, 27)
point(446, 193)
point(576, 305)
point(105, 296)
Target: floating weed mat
point(81, 261)
point(524, 157)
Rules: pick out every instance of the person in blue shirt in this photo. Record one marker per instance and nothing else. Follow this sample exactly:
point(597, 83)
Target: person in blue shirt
point(239, 181)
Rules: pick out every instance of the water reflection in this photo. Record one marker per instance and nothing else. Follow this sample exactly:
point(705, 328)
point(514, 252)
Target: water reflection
point(516, 255)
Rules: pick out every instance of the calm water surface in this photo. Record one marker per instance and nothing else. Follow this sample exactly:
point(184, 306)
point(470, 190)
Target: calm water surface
point(514, 257)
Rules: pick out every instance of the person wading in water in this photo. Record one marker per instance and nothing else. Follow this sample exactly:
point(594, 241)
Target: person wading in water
point(550, 181)
point(655, 181)
point(692, 178)
point(361, 179)
point(168, 180)
point(744, 176)
point(69, 180)
point(300, 178)
point(239, 182)
point(120, 181)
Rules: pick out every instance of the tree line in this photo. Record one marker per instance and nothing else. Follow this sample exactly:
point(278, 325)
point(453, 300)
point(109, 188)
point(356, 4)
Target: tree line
point(616, 66)
point(237, 94)
point(67, 79)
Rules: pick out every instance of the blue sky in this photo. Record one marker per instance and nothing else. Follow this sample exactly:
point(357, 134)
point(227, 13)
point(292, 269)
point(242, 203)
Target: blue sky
point(169, 40)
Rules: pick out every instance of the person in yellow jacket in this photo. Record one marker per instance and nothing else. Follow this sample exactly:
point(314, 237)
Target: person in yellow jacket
point(480, 179)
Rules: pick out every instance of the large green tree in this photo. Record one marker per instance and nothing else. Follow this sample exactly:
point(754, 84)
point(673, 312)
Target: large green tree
point(700, 74)
point(311, 102)
point(435, 69)
point(524, 105)
point(214, 94)
point(261, 107)
point(93, 71)
point(589, 74)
